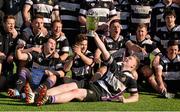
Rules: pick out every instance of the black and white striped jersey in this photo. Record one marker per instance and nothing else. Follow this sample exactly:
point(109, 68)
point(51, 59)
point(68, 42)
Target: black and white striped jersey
point(123, 12)
point(115, 47)
point(62, 45)
point(170, 68)
point(140, 11)
point(164, 35)
point(43, 7)
point(116, 81)
point(30, 39)
point(104, 8)
point(69, 12)
point(157, 20)
point(148, 45)
point(79, 69)
point(40, 61)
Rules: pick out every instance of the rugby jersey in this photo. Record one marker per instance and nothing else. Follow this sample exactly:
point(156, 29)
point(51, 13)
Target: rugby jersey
point(123, 12)
point(116, 81)
point(79, 69)
point(40, 61)
point(157, 20)
point(62, 45)
point(30, 39)
point(69, 12)
point(171, 68)
point(148, 45)
point(43, 7)
point(116, 48)
point(104, 8)
point(7, 42)
point(164, 35)
point(140, 11)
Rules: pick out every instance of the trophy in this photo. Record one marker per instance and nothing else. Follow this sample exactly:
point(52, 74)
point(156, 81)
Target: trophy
point(92, 21)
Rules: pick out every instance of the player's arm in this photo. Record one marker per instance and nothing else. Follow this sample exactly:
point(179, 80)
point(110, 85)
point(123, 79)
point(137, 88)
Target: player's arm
point(55, 13)
point(159, 74)
point(26, 14)
point(68, 64)
point(134, 47)
point(21, 55)
point(101, 46)
point(134, 97)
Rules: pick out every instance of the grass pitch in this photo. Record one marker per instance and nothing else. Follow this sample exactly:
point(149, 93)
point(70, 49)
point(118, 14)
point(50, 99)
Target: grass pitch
point(148, 102)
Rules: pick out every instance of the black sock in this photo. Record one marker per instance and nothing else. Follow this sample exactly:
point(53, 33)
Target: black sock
point(2, 82)
point(20, 83)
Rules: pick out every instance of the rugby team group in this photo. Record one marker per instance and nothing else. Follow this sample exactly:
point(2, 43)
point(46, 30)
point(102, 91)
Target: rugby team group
point(49, 53)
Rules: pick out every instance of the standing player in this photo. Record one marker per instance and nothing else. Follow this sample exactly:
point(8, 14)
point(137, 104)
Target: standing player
point(69, 12)
point(47, 8)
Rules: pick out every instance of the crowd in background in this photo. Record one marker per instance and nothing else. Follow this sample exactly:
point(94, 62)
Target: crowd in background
point(135, 47)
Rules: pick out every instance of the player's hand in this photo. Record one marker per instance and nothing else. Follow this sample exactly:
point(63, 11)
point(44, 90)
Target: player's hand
point(121, 98)
point(10, 59)
point(144, 51)
point(162, 88)
point(77, 49)
point(48, 73)
point(56, 55)
point(14, 33)
point(2, 56)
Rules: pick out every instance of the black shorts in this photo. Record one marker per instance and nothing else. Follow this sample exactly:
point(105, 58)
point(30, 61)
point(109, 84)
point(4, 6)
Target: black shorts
point(173, 85)
point(94, 92)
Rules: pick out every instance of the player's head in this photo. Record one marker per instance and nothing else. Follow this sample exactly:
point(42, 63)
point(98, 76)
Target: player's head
point(82, 41)
point(170, 17)
point(38, 22)
point(9, 23)
point(131, 62)
point(50, 45)
point(141, 31)
point(173, 49)
point(56, 27)
point(115, 27)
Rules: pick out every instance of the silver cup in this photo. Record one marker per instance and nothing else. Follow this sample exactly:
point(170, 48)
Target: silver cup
point(92, 21)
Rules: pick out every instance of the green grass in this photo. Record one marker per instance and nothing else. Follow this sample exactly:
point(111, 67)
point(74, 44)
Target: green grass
point(148, 102)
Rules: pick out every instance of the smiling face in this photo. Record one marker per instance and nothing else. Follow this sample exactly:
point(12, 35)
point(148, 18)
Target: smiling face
point(57, 28)
point(141, 33)
point(9, 25)
point(83, 45)
point(172, 51)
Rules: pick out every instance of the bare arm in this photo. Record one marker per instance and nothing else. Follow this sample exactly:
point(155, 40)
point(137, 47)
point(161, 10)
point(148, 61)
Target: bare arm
point(68, 64)
point(97, 55)
point(64, 56)
point(134, 97)
point(134, 47)
point(26, 14)
point(159, 74)
point(55, 15)
point(20, 55)
point(101, 46)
